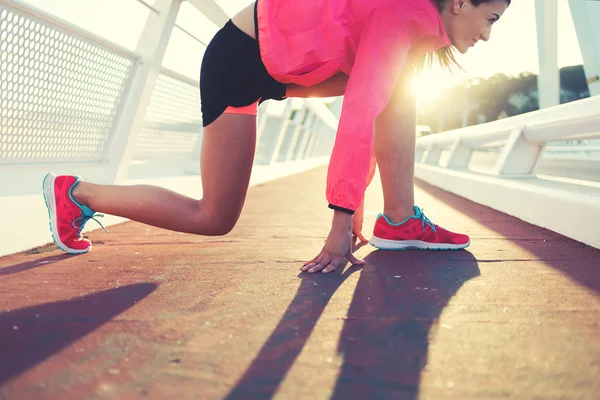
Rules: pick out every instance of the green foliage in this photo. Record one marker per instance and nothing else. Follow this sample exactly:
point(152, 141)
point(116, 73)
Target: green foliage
point(497, 96)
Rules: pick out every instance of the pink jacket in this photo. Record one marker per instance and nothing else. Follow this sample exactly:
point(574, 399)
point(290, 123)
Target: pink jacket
point(306, 42)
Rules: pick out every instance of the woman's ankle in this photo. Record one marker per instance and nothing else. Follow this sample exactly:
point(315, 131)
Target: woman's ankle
point(397, 215)
point(79, 193)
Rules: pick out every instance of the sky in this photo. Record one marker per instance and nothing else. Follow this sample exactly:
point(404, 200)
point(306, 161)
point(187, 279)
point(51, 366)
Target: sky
point(513, 46)
point(511, 50)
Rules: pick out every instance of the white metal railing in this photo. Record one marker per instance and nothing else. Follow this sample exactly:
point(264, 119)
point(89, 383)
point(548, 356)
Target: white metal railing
point(523, 137)
point(59, 89)
point(172, 125)
point(512, 186)
point(72, 102)
point(584, 149)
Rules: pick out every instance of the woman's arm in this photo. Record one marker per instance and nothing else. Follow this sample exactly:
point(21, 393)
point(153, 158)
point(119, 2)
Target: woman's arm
point(379, 61)
point(394, 135)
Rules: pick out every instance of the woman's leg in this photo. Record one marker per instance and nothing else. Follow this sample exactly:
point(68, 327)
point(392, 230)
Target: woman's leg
point(226, 163)
point(394, 144)
point(395, 138)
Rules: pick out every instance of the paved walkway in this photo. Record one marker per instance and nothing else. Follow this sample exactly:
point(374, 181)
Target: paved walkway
point(156, 314)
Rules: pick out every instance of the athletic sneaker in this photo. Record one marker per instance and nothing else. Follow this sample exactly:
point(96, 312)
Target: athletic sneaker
point(67, 216)
point(416, 232)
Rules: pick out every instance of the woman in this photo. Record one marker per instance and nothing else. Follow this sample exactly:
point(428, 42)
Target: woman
point(276, 49)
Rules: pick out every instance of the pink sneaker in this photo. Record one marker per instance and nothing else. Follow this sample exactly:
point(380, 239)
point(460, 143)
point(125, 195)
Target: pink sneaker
point(416, 232)
point(67, 216)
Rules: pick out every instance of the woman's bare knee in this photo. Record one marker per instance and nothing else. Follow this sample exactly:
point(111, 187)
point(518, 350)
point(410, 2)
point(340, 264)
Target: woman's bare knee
point(215, 220)
point(223, 225)
point(226, 164)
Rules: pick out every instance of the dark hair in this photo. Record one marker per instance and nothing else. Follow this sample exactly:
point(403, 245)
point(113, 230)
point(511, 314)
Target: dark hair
point(445, 56)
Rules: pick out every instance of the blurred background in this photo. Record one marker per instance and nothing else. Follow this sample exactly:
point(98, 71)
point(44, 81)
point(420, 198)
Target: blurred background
point(499, 78)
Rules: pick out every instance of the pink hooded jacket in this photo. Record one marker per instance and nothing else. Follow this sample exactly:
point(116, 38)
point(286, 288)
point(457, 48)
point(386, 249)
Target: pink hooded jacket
point(306, 42)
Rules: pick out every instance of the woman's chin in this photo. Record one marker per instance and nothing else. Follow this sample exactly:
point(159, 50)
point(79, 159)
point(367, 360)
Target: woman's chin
point(460, 47)
point(463, 49)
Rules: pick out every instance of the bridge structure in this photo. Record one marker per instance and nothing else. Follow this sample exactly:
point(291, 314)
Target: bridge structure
point(152, 313)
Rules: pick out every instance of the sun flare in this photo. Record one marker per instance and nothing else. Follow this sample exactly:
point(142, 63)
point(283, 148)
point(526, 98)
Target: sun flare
point(430, 85)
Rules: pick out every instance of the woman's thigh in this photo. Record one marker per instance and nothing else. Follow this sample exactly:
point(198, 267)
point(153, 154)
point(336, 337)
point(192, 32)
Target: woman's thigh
point(226, 159)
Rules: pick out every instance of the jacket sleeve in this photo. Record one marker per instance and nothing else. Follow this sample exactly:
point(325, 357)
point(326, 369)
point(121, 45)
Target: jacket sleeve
point(380, 57)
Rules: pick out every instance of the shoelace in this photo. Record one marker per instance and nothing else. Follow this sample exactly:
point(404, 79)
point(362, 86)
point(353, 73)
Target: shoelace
point(424, 220)
point(84, 219)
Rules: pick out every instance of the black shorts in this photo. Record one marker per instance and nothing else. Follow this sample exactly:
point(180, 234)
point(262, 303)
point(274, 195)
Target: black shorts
point(233, 74)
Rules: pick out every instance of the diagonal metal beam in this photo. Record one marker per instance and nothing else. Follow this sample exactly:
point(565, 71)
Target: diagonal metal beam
point(211, 10)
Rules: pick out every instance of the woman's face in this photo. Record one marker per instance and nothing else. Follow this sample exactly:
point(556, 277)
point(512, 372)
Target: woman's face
point(467, 24)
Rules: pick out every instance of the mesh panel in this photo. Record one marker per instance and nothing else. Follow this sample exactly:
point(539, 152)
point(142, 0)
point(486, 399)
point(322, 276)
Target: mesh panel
point(59, 94)
point(173, 122)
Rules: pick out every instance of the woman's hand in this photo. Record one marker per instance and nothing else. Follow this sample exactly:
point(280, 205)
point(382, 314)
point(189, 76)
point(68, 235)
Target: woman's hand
point(338, 246)
point(357, 222)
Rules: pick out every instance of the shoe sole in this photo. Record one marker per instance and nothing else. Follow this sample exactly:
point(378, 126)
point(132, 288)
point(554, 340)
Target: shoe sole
point(385, 244)
point(48, 187)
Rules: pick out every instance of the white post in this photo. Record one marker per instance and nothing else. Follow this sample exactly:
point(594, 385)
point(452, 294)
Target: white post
point(309, 126)
point(419, 153)
point(151, 47)
point(302, 115)
point(336, 106)
point(315, 138)
point(285, 123)
point(460, 156)
point(312, 134)
point(465, 108)
point(586, 19)
point(520, 156)
point(433, 155)
point(547, 33)
point(262, 118)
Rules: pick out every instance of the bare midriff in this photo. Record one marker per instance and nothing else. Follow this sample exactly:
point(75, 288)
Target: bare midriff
point(244, 20)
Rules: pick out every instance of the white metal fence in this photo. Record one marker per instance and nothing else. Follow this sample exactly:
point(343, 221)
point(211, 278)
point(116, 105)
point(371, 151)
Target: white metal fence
point(73, 102)
point(567, 206)
point(60, 90)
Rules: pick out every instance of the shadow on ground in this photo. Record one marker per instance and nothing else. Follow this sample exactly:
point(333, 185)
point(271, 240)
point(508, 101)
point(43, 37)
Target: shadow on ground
point(30, 335)
point(385, 338)
point(26, 266)
point(574, 259)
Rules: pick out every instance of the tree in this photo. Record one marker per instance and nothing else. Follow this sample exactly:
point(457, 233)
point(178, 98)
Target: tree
point(488, 98)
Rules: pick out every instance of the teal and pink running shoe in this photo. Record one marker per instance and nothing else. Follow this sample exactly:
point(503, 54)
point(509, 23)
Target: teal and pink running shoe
point(67, 216)
point(415, 232)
